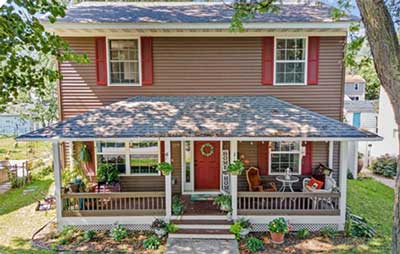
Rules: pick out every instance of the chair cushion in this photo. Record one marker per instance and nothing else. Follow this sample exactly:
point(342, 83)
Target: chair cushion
point(315, 184)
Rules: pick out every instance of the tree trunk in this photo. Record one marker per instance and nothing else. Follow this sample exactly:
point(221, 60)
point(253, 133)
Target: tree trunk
point(385, 50)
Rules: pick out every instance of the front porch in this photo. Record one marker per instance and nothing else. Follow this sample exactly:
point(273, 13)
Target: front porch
point(200, 136)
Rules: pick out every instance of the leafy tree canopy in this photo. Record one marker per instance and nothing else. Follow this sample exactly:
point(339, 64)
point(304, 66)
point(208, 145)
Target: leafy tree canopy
point(24, 43)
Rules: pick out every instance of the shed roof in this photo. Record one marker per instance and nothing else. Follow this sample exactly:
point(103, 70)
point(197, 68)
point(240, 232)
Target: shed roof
point(188, 12)
point(354, 79)
point(199, 116)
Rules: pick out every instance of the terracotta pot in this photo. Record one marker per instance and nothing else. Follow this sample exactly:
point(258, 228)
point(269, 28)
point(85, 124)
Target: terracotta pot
point(277, 238)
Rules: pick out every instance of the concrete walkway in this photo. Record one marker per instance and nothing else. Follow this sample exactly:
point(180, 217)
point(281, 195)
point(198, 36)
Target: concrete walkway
point(201, 246)
point(4, 187)
point(386, 181)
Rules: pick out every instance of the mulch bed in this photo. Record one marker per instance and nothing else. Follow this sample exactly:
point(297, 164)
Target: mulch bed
point(315, 243)
point(102, 243)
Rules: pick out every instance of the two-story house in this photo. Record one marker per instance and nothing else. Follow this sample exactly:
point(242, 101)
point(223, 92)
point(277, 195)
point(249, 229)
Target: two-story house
point(354, 88)
point(170, 82)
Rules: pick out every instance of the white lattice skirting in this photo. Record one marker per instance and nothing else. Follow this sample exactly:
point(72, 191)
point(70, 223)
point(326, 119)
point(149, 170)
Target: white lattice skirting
point(296, 227)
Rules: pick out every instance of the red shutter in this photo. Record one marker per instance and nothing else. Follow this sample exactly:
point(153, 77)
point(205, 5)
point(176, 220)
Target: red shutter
point(101, 61)
point(147, 60)
point(267, 61)
point(313, 60)
point(263, 157)
point(306, 168)
point(162, 151)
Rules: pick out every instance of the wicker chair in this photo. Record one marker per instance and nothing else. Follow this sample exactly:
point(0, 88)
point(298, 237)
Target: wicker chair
point(255, 183)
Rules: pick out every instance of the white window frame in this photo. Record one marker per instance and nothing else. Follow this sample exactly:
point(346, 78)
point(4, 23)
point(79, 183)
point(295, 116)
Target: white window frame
point(127, 154)
point(187, 187)
point(288, 61)
point(300, 153)
point(109, 61)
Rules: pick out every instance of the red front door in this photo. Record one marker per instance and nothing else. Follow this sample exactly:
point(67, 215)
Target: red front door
point(207, 165)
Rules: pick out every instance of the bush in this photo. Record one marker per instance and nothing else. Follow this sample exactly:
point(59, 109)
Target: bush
point(328, 232)
point(385, 165)
point(118, 233)
point(254, 245)
point(107, 173)
point(89, 235)
point(358, 226)
point(235, 229)
point(171, 228)
point(152, 243)
point(67, 234)
point(302, 233)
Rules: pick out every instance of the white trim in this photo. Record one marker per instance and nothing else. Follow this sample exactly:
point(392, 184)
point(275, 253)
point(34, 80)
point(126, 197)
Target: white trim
point(288, 61)
point(330, 155)
point(168, 182)
point(234, 179)
point(250, 25)
point(107, 220)
point(57, 181)
point(207, 138)
point(183, 166)
point(109, 83)
point(343, 180)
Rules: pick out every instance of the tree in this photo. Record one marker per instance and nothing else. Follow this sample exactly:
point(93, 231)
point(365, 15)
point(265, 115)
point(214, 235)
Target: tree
point(378, 18)
point(24, 43)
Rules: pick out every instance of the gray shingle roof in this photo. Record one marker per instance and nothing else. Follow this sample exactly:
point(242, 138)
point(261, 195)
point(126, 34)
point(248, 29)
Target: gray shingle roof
point(186, 12)
point(190, 116)
point(361, 106)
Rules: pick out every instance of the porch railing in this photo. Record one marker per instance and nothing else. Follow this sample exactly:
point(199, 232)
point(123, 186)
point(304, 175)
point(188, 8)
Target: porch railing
point(288, 203)
point(113, 204)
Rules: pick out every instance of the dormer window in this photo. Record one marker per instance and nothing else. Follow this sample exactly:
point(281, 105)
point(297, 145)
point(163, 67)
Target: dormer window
point(124, 62)
point(290, 64)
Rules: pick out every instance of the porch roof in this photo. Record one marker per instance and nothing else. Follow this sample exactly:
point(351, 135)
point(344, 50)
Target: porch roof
point(168, 117)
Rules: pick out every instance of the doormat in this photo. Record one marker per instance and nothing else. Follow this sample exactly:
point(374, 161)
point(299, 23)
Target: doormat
point(202, 197)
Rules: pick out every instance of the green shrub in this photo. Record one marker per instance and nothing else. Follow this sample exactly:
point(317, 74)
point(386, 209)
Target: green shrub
point(178, 207)
point(67, 234)
point(385, 165)
point(171, 228)
point(302, 233)
point(358, 226)
point(236, 167)
point(152, 243)
point(118, 233)
point(235, 229)
point(107, 173)
point(328, 232)
point(278, 225)
point(245, 223)
point(89, 235)
point(254, 245)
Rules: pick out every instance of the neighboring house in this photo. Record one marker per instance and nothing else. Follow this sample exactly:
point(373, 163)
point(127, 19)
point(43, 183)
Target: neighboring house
point(387, 128)
point(354, 87)
point(11, 125)
point(363, 115)
point(169, 82)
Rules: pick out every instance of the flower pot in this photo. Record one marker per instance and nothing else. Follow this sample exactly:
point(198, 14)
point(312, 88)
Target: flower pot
point(244, 232)
point(160, 232)
point(277, 238)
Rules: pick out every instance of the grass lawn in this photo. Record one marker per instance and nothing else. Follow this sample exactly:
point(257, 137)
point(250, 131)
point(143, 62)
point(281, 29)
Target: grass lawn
point(23, 150)
point(18, 218)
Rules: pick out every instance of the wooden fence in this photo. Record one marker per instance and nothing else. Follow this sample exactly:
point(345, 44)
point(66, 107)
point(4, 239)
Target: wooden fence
point(113, 204)
point(288, 203)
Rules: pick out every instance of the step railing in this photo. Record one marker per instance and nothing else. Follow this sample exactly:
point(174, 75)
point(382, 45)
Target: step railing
point(113, 204)
point(288, 203)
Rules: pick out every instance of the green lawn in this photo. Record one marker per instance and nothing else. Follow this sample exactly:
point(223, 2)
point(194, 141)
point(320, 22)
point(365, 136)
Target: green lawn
point(18, 218)
point(23, 150)
point(374, 201)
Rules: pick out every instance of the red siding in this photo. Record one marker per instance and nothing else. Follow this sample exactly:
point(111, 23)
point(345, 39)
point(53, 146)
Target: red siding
point(101, 61)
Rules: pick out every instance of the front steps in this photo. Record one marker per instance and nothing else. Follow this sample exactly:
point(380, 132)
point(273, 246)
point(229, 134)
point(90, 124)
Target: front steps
point(202, 229)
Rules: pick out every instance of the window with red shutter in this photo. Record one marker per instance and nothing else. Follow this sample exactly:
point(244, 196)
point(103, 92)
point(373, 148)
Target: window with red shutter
point(313, 60)
point(147, 60)
point(101, 61)
point(267, 70)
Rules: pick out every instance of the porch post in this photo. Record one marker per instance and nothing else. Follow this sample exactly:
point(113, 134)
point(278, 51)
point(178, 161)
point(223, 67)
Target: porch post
point(234, 179)
point(57, 181)
point(71, 155)
point(343, 182)
point(330, 156)
point(168, 189)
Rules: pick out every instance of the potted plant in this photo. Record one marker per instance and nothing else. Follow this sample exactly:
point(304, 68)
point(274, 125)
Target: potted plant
point(178, 206)
point(236, 167)
point(245, 226)
point(107, 173)
point(165, 168)
point(278, 228)
point(224, 202)
point(159, 227)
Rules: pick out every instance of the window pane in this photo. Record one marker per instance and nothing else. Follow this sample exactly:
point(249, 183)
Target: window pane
point(281, 55)
point(118, 160)
point(144, 157)
point(110, 147)
point(188, 160)
point(281, 43)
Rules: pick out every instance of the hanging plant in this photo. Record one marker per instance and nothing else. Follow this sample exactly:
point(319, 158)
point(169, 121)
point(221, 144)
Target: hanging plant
point(165, 168)
point(207, 150)
point(84, 154)
point(236, 168)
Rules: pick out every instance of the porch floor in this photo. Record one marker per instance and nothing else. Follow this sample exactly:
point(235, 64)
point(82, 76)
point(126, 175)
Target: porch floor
point(203, 207)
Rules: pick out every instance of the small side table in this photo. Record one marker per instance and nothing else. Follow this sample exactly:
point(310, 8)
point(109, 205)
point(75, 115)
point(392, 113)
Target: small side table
point(287, 182)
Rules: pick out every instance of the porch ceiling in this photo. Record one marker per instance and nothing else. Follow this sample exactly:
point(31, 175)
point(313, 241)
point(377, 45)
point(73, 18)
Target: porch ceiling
point(200, 116)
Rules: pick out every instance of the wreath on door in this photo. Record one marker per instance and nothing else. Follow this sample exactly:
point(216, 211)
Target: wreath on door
point(207, 150)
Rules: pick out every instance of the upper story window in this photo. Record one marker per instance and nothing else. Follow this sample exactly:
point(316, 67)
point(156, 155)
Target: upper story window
point(285, 155)
point(124, 62)
point(290, 61)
